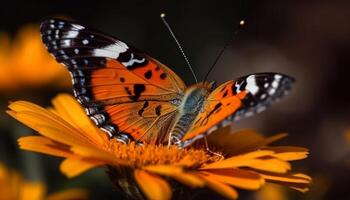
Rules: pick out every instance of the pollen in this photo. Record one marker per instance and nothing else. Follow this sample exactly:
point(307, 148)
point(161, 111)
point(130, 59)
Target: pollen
point(149, 154)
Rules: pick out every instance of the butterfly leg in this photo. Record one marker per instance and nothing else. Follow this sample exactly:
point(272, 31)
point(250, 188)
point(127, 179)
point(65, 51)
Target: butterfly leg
point(210, 151)
point(173, 140)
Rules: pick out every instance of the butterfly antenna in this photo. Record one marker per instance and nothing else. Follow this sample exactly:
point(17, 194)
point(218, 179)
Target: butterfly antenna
point(162, 16)
point(240, 26)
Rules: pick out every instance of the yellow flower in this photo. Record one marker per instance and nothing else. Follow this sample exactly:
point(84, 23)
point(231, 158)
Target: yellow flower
point(26, 63)
point(67, 132)
point(271, 192)
point(14, 187)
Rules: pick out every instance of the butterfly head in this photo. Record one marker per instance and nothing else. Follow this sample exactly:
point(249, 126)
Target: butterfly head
point(209, 86)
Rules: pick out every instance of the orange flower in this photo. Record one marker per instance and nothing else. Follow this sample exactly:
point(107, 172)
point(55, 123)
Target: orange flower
point(67, 132)
point(26, 63)
point(13, 186)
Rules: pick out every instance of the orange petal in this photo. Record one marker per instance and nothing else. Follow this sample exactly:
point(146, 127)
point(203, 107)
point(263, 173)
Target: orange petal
point(254, 160)
point(153, 186)
point(301, 187)
point(69, 109)
point(71, 194)
point(290, 178)
point(271, 165)
point(33, 191)
point(165, 170)
point(273, 138)
point(236, 177)
point(289, 153)
point(189, 179)
point(177, 174)
point(257, 154)
point(36, 118)
point(220, 187)
point(57, 130)
point(236, 161)
point(44, 145)
point(98, 154)
point(236, 142)
point(303, 176)
point(72, 167)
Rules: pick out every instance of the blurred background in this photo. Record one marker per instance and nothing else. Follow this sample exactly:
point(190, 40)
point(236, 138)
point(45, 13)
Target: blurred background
point(308, 40)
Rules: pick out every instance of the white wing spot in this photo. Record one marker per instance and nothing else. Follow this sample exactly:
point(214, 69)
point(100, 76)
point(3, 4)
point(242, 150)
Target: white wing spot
point(275, 84)
point(66, 43)
point(132, 61)
point(72, 34)
point(77, 26)
point(76, 51)
point(238, 87)
point(251, 85)
point(260, 109)
point(85, 42)
point(111, 51)
point(276, 80)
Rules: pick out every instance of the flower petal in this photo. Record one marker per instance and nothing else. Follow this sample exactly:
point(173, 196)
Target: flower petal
point(289, 153)
point(153, 186)
point(299, 182)
point(273, 139)
point(72, 167)
point(176, 173)
point(71, 194)
point(96, 153)
point(38, 119)
point(236, 142)
point(69, 109)
point(221, 188)
point(44, 145)
point(189, 179)
point(236, 177)
point(34, 191)
point(289, 178)
point(257, 160)
point(165, 170)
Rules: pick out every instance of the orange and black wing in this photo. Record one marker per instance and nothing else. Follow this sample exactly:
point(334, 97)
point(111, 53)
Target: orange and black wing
point(234, 100)
point(125, 92)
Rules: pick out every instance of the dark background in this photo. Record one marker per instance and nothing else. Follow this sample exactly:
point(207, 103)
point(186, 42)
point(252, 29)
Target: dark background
point(308, 40)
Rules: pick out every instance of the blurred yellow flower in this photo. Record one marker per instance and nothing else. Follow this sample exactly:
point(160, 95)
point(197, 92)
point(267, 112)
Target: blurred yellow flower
point(347, 135)
point(67, 132)
point(26, 63)
point(271, 192)
point(14, 187)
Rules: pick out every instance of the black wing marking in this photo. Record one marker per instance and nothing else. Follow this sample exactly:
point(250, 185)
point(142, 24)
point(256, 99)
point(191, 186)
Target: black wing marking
point(263, 90)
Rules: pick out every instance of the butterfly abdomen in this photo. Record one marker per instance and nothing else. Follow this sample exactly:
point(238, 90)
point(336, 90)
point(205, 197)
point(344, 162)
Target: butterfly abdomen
point(191, 105)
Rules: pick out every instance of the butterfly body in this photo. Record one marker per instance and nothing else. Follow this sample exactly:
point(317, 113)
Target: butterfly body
point(133, 97)
point(191, 104)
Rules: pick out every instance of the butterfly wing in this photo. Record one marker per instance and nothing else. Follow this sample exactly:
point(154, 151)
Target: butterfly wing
point(234, 100)
point(125, 92)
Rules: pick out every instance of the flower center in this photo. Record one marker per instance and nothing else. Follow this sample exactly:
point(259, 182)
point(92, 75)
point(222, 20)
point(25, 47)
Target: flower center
point(149, 154)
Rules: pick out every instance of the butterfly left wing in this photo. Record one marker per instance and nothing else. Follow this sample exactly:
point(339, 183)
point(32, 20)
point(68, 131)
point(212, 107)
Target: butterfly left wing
point(128, 94)
point(234, 100)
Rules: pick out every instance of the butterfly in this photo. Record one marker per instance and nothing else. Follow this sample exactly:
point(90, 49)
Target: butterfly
point(134, 97)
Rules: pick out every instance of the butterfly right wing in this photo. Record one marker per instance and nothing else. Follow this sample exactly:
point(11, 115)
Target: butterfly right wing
point(125, 92)
point(237, 99)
